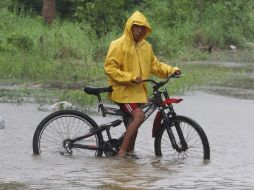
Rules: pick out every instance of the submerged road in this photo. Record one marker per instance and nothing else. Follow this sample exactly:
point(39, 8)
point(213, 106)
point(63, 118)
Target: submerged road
point(228, 122)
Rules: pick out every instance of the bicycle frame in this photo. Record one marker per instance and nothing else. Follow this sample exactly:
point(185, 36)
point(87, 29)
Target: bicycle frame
point(159, 100)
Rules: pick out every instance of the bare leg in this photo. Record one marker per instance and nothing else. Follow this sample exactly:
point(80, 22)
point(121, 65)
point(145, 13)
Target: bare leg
point(132, 143)
point(131, 146)
point(131, 131)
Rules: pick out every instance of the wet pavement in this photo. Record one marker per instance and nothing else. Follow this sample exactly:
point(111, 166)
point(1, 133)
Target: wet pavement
point(228, 122)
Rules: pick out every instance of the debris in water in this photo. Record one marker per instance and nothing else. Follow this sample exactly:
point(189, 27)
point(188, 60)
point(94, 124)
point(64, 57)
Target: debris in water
point(2, 123)
point(60, 106)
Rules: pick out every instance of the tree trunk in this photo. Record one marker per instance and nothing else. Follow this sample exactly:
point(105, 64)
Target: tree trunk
point(48, 10)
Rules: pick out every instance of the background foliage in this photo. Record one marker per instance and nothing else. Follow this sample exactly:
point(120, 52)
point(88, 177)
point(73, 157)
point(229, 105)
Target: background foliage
point(180, 28)
point(60, 55)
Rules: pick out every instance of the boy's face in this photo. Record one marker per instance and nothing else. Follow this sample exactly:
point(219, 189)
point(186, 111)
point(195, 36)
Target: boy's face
point(138, 32)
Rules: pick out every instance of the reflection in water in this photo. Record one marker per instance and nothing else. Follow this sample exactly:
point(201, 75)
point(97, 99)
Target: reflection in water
point(13, 186)
point(228, 123)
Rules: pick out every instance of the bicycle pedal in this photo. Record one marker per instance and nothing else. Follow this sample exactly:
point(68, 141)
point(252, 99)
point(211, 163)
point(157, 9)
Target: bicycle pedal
point(112, 124)
point(65, 153)
point(116, 122)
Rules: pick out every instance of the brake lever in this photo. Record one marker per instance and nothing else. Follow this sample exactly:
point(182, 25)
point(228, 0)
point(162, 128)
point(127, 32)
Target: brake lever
point(176, 76)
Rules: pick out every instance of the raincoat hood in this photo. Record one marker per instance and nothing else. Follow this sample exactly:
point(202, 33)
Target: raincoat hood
point(139, 19)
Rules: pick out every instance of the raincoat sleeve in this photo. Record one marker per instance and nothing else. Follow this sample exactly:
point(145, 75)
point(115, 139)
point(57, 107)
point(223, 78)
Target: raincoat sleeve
point(161, 69)
point(113, 64)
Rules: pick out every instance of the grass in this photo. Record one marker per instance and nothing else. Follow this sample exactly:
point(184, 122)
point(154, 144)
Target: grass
point(44, 96)
point(195, 75)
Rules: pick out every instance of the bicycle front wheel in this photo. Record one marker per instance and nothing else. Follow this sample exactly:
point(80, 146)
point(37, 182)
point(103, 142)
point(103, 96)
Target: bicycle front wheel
point(194, 135)
point(61, 126)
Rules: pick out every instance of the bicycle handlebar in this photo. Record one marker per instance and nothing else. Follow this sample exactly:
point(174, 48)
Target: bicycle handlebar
point(159, 84)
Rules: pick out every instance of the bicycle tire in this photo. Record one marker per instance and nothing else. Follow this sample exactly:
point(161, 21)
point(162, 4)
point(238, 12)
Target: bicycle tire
point(196, 139)
point(65, 124)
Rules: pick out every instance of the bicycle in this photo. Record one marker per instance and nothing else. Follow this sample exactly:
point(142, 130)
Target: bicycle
point(69, 132)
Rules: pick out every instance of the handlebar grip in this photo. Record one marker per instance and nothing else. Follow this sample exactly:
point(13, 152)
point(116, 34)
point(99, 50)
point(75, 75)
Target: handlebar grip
point(175, 76)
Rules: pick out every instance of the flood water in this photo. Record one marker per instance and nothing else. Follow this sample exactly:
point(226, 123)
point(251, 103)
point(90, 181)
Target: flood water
point(228, 123)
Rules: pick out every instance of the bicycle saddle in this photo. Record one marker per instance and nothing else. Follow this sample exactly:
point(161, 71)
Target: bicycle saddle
point(96, 91)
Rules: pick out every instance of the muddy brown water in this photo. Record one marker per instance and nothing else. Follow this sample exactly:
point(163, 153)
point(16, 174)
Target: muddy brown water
point(228, 122)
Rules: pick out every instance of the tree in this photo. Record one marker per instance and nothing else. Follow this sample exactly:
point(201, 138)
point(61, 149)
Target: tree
point(49, 10)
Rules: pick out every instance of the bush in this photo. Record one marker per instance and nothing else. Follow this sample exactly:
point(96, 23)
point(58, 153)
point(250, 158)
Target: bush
point(24, 43)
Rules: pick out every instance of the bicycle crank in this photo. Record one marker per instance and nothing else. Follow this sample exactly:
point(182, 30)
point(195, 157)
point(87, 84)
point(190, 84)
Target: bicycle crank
point(112, 147)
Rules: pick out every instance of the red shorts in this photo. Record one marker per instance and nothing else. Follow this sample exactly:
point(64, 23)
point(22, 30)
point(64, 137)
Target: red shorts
point(128, 107)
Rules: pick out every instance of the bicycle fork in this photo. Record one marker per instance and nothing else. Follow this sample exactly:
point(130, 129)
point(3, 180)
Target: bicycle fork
point(168, 126)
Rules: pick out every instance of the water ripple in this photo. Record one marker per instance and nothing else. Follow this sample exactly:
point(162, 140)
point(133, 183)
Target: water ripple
point(228, 123)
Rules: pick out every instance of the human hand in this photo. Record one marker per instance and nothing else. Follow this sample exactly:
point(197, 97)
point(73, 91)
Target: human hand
point(138, 80)
point(177, 72)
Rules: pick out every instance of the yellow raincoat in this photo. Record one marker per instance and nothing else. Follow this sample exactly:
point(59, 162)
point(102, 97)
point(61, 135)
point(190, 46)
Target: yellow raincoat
point(126, 60)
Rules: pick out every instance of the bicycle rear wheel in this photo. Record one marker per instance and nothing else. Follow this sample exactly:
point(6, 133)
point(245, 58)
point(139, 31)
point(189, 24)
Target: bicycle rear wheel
point(195, 137)
point(60, 126)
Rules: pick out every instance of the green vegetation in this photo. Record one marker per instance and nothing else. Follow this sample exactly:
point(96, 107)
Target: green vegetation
point(69, 54)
